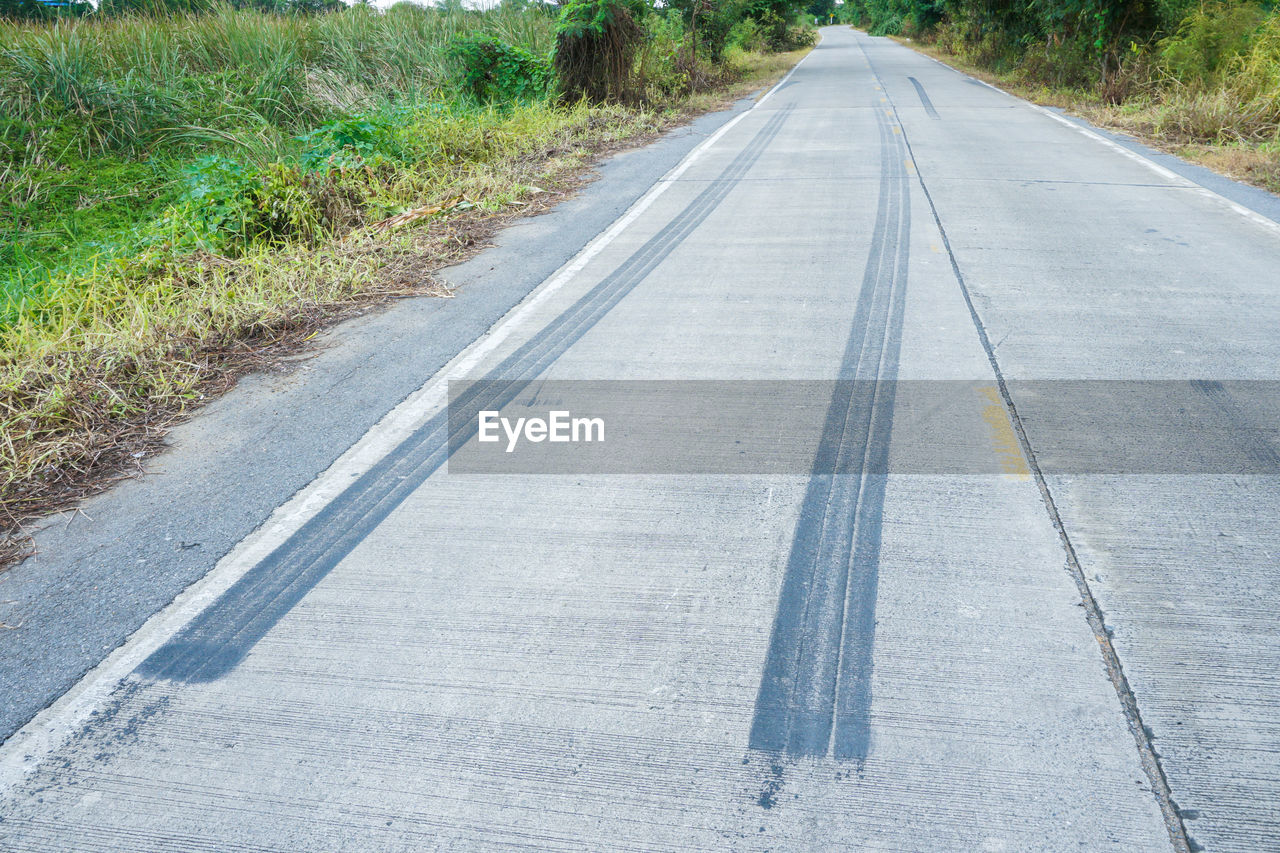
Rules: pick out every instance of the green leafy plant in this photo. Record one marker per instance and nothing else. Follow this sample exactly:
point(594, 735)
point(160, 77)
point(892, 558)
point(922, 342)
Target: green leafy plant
point(493, 71)
point(747, 34)
point(1208, 40)
point(229, 205)
point(346, 143)
point(219, 201)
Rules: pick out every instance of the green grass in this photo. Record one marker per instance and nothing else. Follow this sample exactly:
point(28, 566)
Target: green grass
point(139, 329)
point(101, 117)
point(180, 195)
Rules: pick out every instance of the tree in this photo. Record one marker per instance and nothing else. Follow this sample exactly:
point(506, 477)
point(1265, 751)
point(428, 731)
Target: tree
point(821, 9)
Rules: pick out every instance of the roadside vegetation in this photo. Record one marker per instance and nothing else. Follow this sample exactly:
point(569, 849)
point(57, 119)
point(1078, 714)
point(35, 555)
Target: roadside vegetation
point(187, 190)
point(1198, 77)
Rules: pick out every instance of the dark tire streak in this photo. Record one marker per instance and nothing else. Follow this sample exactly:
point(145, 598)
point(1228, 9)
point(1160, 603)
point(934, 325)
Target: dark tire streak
point(924, 99)
point(219, 638)
point(817, 673)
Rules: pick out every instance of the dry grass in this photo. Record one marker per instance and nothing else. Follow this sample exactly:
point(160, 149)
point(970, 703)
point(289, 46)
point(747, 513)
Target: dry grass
point(1255, 165)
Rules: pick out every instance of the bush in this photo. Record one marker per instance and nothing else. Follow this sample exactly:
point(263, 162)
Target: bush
point(492, 70)
point(796, 37)
point(1227, 70)
point(229, 206)
point(346, 143)
point(1209, 40)
point(596, 46)
point(664, 61)
point(888, 25)
point(218, 204)
point(1065, 63)
point(711, 21)
point(747, 35)
point(1255, 81)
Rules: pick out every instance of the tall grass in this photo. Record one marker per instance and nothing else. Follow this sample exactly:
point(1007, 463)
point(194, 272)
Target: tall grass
point(142, 157)
point(137, 82)
point(99, 118)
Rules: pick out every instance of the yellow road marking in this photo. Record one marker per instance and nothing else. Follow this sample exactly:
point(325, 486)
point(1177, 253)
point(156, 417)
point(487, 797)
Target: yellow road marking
point(1003, 438)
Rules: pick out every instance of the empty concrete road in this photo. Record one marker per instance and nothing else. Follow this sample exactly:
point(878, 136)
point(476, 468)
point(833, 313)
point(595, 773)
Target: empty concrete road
point(904, 607)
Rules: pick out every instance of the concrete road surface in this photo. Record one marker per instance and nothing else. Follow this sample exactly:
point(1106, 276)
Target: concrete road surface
point(861, 617)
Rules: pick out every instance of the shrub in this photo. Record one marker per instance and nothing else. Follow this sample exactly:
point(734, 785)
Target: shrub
point(229, 205)
point(1209, 40)
point(889, 25)
point(344, 143)
point(747, 35)
point(1255, 80)
point(1062, 63)
point(1228, 84)
point(596, 46)
point(710, 22)
point(492, 70)
point(796, 37)
point(218, 204)
point(663, 62)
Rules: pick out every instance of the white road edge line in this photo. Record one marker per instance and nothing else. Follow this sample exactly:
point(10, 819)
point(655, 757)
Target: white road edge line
point(1203, 191)
point(28, 747)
